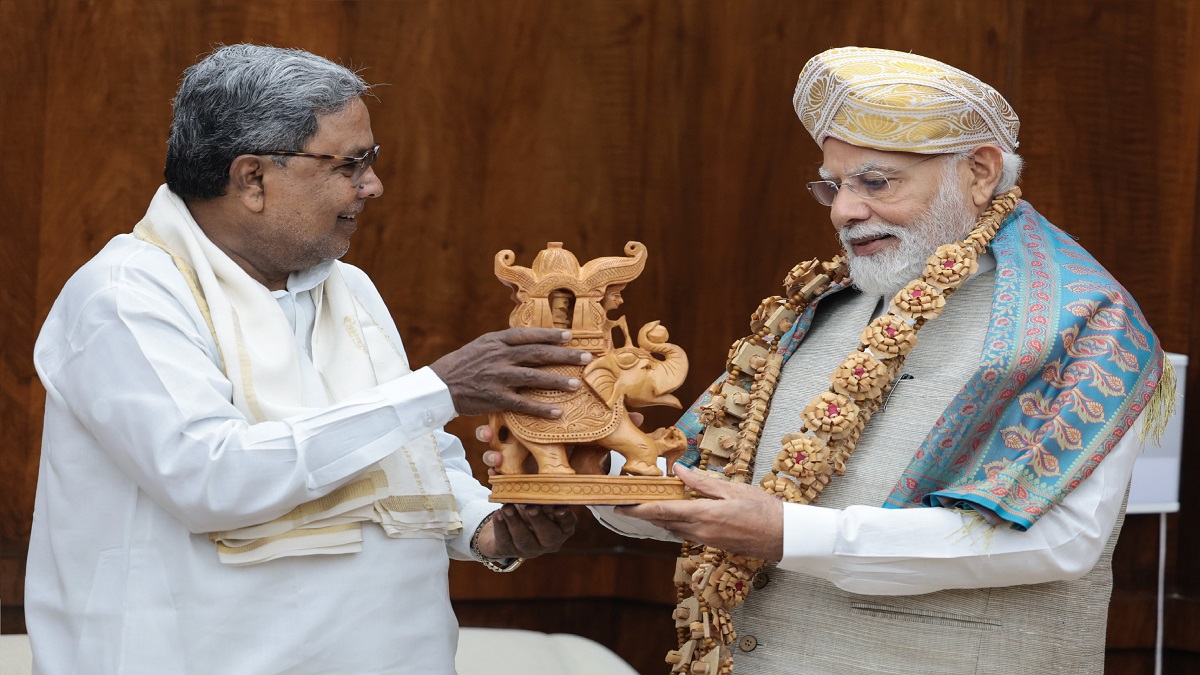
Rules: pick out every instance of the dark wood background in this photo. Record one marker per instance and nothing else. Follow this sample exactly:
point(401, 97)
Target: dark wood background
point(507, 124)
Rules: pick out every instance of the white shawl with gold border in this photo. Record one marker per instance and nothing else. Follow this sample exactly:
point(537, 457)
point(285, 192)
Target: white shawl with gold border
point(407, 493)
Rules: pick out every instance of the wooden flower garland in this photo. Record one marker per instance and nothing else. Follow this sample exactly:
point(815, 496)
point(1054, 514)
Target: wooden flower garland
point(710, 582)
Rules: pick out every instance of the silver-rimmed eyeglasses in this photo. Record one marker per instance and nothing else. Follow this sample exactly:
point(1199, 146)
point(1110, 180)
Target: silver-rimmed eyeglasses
point(868, 184)
point(361, 164)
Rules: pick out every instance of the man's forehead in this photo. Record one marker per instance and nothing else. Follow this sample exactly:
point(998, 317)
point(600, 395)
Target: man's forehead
point(346, 131)
point(842, 159)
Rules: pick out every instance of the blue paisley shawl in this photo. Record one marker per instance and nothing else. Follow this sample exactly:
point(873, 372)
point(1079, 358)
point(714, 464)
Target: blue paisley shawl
point(1068, 365)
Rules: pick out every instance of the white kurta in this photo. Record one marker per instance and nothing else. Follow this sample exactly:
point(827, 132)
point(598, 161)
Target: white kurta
point(143, 453)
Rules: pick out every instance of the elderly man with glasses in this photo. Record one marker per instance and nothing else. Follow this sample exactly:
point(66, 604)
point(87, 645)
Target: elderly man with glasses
point(911, 465)
point(240, 472)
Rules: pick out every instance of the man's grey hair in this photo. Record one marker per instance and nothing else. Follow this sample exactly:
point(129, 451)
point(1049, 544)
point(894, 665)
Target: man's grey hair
point(246, 99)
point(1010, 172)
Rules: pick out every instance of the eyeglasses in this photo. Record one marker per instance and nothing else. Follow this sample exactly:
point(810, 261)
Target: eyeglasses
point(868, 184)
point(361, 164)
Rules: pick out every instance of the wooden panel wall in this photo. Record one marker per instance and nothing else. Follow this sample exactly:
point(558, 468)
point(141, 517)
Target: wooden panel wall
point(592, 122)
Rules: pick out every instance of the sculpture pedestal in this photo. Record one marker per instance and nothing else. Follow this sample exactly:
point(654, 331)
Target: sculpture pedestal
point(583, 489)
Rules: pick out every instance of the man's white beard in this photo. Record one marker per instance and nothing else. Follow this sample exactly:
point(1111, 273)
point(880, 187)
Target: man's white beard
point(886, 272)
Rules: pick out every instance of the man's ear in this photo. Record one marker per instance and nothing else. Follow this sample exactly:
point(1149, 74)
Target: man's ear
point(246, 181)
point(986, 166)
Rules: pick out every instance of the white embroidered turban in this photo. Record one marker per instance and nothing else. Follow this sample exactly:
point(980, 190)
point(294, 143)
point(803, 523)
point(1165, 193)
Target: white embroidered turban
point(893, 101)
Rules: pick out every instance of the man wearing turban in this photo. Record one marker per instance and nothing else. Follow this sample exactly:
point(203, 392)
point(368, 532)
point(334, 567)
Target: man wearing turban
point(947, 504)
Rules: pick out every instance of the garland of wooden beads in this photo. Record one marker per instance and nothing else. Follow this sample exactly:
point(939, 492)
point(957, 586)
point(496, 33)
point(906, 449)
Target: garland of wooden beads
point(710, 582)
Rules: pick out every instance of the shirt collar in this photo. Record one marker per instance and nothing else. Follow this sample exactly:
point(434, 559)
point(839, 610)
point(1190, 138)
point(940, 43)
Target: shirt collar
point(306, 280)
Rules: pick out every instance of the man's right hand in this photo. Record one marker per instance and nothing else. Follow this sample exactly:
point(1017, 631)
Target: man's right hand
point(484, 374)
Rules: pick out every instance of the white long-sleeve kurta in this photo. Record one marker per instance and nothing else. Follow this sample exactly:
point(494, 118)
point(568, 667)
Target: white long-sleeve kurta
point(143, 453)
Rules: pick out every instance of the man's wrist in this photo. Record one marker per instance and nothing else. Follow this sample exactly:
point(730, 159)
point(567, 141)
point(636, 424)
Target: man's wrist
point(493, 564)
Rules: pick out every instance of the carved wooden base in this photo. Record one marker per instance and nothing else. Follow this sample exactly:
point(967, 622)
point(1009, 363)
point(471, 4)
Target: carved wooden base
point(583, 489)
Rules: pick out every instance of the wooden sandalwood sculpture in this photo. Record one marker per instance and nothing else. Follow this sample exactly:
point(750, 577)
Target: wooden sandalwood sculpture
point(558, 293)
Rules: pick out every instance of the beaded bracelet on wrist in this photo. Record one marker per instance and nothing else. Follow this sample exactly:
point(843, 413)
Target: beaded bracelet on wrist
point(493, 564)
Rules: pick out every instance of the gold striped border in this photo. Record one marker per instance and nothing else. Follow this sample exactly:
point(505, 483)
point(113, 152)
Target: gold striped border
point(583, 489)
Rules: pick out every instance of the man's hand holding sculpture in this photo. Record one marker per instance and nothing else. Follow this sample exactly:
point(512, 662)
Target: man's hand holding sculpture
point(483, 376)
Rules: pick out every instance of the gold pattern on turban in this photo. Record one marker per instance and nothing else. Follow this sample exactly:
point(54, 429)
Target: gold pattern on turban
point(893, 101)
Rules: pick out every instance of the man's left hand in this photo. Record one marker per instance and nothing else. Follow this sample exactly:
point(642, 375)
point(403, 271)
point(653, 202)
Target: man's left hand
point(738, 518)
point(526, 531)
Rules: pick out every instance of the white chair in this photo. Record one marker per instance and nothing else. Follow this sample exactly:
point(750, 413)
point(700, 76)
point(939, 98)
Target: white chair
point(15, 656)
point(481, 651)
point(505, 651)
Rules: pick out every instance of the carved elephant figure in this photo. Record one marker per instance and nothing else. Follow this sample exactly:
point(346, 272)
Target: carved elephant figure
point(632, 376)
